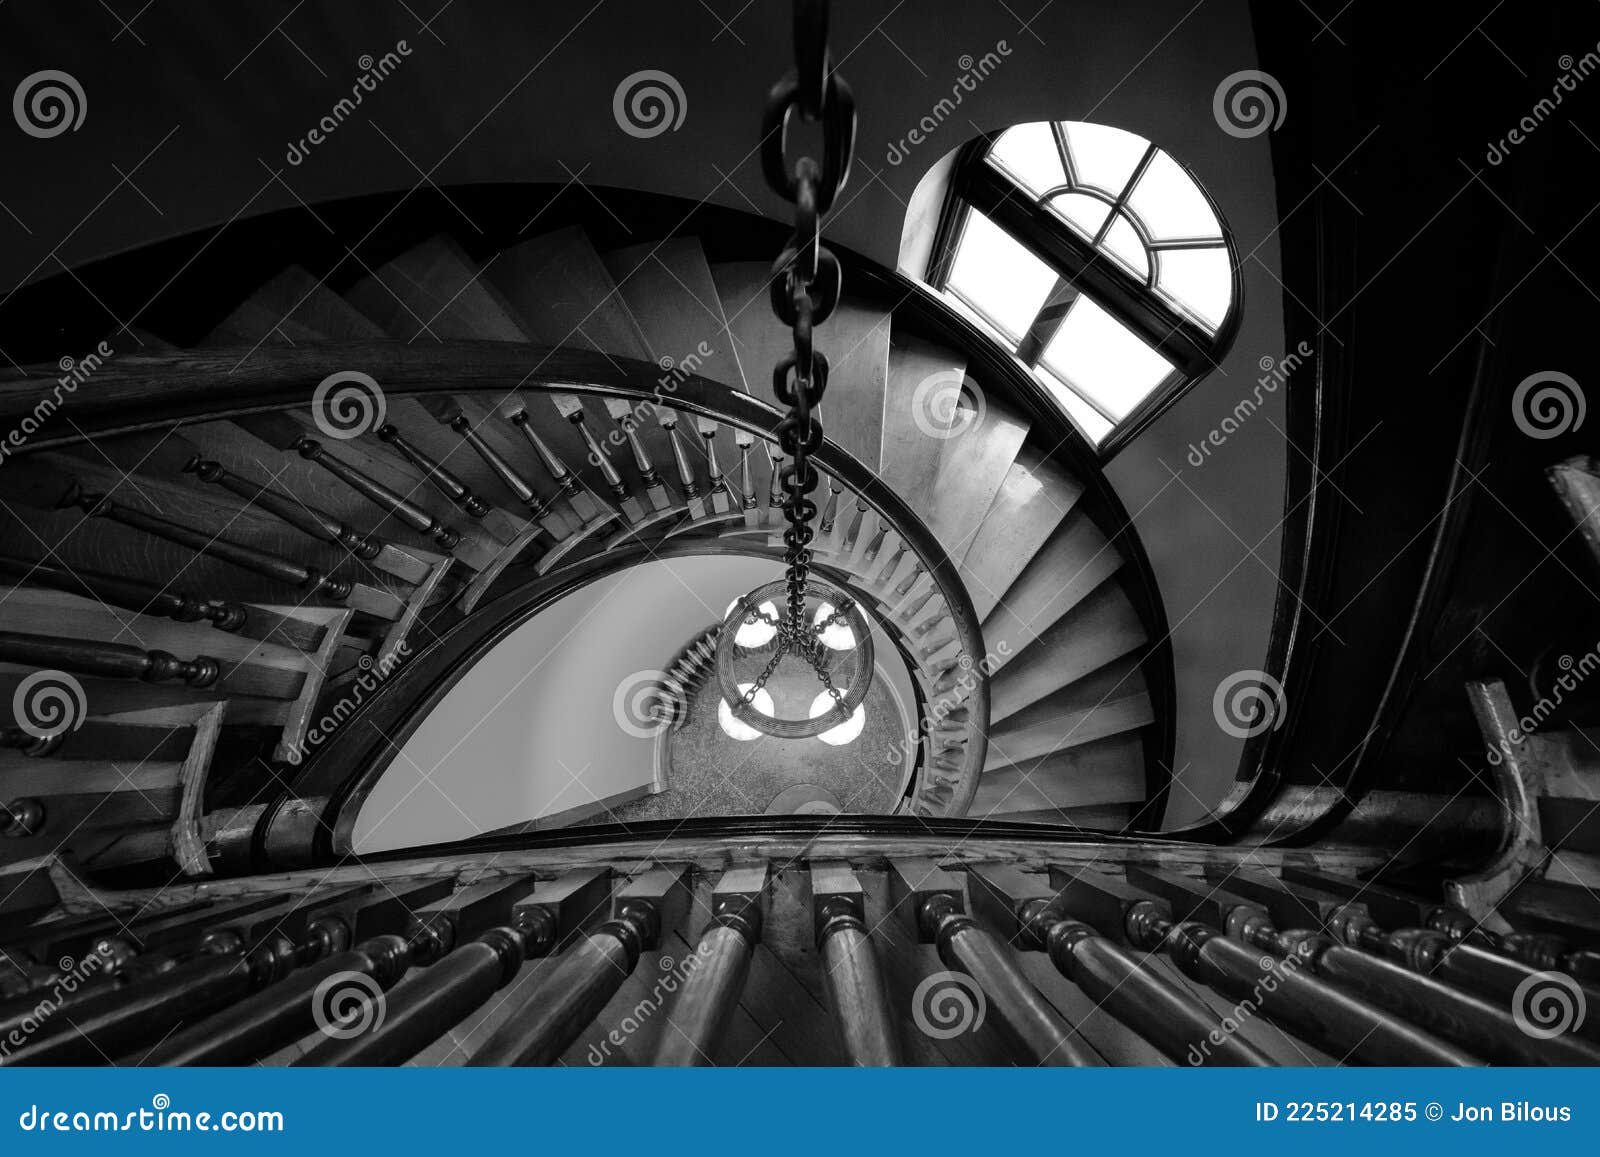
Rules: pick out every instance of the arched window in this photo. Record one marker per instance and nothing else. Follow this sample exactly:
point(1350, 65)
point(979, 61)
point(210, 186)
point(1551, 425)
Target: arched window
point(1099, 259)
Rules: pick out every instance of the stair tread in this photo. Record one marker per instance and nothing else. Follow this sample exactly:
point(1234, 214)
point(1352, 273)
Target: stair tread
point(920, 374)
point(295, 296)
point(1107, 771)
point(435, 290)
point(254, 324)
point(973, 466)
point(855, 340)
point(1101, 628)
point(1035, 497)
point(562, 294)
point(668, 288)
point(1069, 729)
point(1075, 560)
point(1121, 679)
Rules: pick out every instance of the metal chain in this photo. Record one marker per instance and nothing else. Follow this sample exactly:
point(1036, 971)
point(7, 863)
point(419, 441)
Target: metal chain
point(805, 287)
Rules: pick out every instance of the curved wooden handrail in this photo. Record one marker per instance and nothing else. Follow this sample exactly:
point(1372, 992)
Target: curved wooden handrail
point(150, 392)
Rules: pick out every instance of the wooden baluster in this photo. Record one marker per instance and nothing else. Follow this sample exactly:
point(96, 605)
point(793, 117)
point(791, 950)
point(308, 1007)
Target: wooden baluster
point(928, 901)
point(590, 972)
point(1027, 910)
point(1306, 1006)
point(775, 492)
point(712, 991)
point(16, 739)
point(853, 534)
point(857, 998)
point(1286, 918)
point(435, 472)
point(108, 660)
point(284, 432)
point(431, 1004)
point(21, 817)
point(539, 509)
point(129, 594)
point(626, 416)
point(308, 519)
point(232, 958)
point(830, 508)
point(746, 441)
point(584, 504)
point(307, 578)
point(717, 488)
point(282, 1007)
point(571, 408)
point(687, 481)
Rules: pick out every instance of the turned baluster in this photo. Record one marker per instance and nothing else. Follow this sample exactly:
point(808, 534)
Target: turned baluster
point(583, 503)
point(309, 520)
point(745, 441)
point(830, 509)
point(129, 594)
point(435, 472)
point(109, 660)
point(429, 1005)
point(507, 473)
point(21, 817)
point(1282, 989)
point(717, 489)
point(858, 1000)
point(852, 534)
point(33, 746)
point(928, 901)
point(627, 419)
point(721, 964)
point(687, 481)
point(571, 409)
point(589, 973)
point(1030, 913)
point(402, 508)
point(307, 578)
point(775, 490)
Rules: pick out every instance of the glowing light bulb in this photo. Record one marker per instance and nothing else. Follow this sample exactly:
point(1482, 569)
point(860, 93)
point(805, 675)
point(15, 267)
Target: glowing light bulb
point(737, 728)
point(758, 633)
point(838, 636)
point(848, 731)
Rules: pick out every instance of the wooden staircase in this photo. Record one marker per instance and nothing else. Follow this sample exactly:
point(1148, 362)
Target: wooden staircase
point(263, 562)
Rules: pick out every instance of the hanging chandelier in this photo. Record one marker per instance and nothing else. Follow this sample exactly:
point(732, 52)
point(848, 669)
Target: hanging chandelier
point(772, 662)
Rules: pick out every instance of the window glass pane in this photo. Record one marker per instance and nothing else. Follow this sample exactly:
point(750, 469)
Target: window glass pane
point(1081, 412)
point(1028, 153)
point(1199, 280)
point(1122, 242)
point(1085, 213)
point(1103, 156)
point(1099, 356)
point(997, 276)
point(1170, 204)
